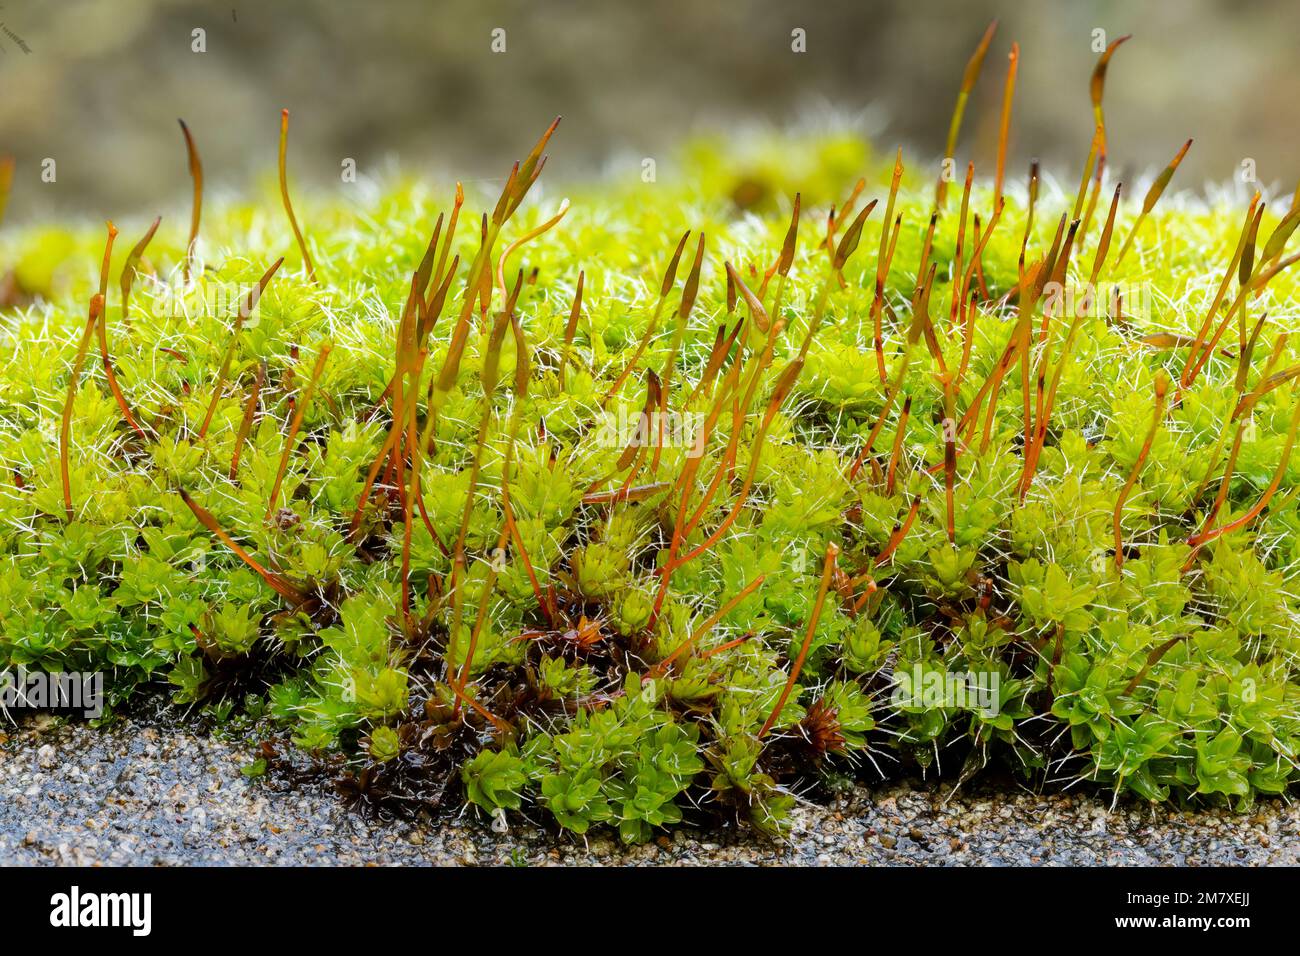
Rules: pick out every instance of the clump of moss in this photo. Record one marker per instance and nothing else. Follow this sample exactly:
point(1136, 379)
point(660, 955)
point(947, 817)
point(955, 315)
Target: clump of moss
point(529, 509)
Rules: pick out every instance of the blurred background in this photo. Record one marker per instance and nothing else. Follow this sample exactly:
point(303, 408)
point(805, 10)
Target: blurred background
point(98, 85)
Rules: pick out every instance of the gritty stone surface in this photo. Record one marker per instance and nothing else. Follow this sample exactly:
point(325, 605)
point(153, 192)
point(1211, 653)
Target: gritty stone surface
point(143, 793)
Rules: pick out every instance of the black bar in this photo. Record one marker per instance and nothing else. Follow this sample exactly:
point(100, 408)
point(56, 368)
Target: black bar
point(558, 907)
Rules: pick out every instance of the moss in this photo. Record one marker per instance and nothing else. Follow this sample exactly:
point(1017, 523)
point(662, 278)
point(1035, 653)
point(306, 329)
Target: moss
point(470, 574)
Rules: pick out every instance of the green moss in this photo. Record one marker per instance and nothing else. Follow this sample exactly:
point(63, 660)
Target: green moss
point(1173, 675)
